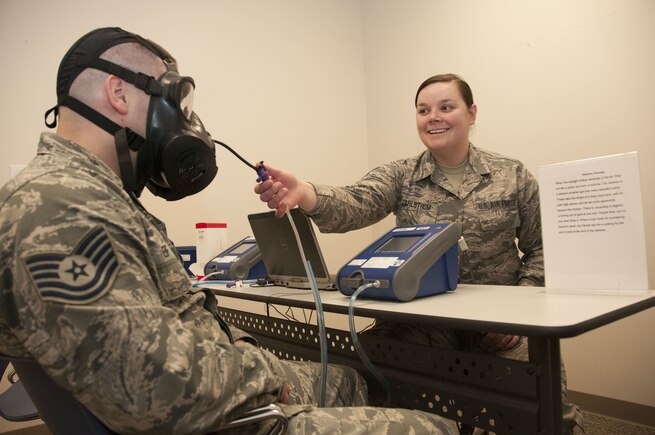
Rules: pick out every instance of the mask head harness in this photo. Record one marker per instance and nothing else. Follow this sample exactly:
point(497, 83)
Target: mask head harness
point(177, 158)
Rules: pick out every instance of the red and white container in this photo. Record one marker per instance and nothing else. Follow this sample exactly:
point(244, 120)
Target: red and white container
point(211, 240)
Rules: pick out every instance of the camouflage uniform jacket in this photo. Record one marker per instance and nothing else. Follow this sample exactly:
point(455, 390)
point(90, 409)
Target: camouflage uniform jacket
point(94, 291)
point(498, 202)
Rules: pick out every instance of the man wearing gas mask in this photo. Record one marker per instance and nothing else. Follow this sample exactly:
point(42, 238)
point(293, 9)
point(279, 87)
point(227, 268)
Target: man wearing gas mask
point(93, 290)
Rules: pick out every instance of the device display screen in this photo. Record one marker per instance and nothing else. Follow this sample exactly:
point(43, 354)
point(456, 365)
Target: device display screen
point(241, 248)
point(399, 244)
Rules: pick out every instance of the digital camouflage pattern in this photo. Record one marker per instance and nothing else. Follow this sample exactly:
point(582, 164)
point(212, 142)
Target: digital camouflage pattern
point(498, 202)
point(368, 420)
point(498, 207)
point(93, 290)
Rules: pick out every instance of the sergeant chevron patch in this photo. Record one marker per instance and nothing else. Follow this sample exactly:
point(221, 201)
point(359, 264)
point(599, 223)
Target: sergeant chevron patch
point(80, 277)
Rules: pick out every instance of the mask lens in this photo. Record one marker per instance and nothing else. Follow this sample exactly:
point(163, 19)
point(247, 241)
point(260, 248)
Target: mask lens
point(185, 98)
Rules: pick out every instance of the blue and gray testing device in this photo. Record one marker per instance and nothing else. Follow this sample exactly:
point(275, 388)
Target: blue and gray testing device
point(240, 261)
point(408, 262)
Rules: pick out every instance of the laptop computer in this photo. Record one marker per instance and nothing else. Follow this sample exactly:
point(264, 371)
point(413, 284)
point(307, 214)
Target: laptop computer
point(281, 254)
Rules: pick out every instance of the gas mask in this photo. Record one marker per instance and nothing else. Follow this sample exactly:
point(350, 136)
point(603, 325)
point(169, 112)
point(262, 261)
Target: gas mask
point(177, 157)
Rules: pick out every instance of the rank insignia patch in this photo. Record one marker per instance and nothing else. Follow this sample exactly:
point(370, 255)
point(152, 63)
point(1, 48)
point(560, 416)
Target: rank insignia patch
point(80, 277)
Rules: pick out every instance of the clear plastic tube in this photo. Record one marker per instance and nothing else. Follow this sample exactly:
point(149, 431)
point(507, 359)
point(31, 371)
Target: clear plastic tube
point(319, 310)
point(358, 347)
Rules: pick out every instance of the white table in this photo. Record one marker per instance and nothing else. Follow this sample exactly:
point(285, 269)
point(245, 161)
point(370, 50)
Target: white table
point(544, 317)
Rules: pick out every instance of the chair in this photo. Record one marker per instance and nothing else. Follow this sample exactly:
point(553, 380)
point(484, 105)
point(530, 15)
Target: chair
point(15, 404)
point(60, 411)
point(64, 415)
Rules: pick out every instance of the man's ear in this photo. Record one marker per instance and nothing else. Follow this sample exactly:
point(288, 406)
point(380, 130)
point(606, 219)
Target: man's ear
point(115, 90)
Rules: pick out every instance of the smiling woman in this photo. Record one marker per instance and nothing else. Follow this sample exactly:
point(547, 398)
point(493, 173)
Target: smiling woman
point(445, 113)
point(495, 199)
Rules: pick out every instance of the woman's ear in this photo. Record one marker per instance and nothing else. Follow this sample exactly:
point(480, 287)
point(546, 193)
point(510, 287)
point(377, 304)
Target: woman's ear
point(115, 90)
point(473, 111)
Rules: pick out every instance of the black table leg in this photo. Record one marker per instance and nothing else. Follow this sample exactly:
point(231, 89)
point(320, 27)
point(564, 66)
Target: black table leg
point(545, 352)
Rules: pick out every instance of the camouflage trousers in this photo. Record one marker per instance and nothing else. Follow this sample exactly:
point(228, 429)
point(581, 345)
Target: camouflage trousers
point(365, 420)
point(572, 419)
point(344, 411)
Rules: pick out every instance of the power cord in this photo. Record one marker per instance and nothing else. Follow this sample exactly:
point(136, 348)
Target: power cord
point(263, 282)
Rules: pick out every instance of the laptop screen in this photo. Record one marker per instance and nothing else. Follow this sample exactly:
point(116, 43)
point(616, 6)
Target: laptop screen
point(279, 248)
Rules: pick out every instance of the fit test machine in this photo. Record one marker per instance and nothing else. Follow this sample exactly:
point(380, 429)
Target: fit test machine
point(240, 261)
point(408, 262)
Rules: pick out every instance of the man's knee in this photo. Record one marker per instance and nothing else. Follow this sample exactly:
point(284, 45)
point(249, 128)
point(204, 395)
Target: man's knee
point(347, 387)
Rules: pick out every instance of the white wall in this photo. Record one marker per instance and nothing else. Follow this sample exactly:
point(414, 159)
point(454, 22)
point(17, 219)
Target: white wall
point(326, 88)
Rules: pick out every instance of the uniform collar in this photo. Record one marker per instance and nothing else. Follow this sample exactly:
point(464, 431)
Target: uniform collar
point(478, 161)
point(427, 165)
point(52, 143)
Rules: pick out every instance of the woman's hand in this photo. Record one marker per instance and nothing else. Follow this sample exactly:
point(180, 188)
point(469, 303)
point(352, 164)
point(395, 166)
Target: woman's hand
point(283, 191)
point(495, 342)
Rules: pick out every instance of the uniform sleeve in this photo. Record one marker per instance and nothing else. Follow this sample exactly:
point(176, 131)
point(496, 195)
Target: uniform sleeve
point(530, 241)
point(238, 334)
point(102, 312)
point(372, 198)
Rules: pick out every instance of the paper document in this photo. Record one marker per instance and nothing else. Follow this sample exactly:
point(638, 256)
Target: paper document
point(593, 225)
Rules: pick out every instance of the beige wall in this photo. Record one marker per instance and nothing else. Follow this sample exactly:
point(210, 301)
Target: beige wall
point(325, 89)
point(281, 82)
point(554, 81)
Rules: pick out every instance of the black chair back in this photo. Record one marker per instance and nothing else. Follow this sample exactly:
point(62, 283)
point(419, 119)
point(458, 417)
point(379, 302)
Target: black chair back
point(15, 404)
point(60, 411)
point(64, 415)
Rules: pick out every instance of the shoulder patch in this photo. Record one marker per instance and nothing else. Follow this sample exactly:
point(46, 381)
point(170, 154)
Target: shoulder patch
point(81, 277)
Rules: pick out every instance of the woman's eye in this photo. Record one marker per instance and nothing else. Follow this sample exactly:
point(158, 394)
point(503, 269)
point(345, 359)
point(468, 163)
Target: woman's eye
point(447, 108)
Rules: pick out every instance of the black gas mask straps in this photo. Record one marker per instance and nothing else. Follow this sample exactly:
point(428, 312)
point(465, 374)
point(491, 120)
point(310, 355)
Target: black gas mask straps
point(177, 156)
